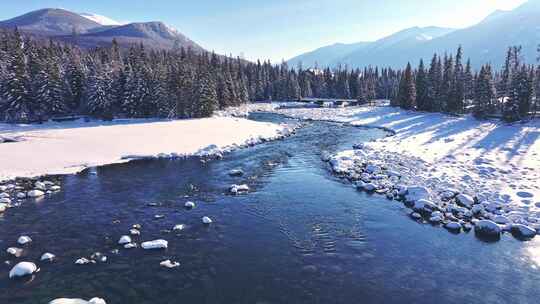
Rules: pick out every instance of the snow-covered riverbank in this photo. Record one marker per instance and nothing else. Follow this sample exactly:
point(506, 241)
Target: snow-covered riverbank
point(499, 164)
point(65, 148)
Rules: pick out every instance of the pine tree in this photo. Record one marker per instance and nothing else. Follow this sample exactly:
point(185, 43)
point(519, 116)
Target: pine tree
point(422, 88)
point(407, 91)
point(100, 100)
point(206, 101)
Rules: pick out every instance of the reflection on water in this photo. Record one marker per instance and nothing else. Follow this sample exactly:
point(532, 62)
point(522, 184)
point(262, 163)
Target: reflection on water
point(532, 250)
point(301, 236)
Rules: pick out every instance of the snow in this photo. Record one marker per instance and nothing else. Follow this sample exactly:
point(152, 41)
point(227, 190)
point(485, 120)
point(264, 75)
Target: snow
point(487, 159)
point(69, 147)
point(100, 19)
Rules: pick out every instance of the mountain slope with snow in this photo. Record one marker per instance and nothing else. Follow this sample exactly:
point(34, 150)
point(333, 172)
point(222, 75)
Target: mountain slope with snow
point(95, 30)
point(483, 42)
point(103, 20)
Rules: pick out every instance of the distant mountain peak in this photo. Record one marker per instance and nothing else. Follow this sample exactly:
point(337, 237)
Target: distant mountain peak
point(103, 20)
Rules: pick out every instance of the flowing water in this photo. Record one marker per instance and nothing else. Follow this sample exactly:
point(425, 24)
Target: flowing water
point(300, 236)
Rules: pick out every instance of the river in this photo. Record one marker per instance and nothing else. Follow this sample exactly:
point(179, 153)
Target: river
point(300, 236)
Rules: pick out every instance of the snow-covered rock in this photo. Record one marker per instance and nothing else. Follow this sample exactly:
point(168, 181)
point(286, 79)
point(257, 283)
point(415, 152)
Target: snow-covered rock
point(415, 193)
point(179, 227)
point(523, 231)
point(77, 301)
point(14, 251)
point(3, 207)
point(47, 257)
point(130, 246)
point(236, 172)
point(4, 195)
point(155, 244)
point(500, 219)
point(5, 200)
point(23, 269)
point(189, 205)
point(20, 195)
point(369, 187)
point(453, 226)
point(169, 264)
point(40, 186)
point(436, 218)
point(487, 228)
point(465, 200)
point(82, 261)
point(239, 189)
point(125, 239)
point(134, 232)
point(55, 188)
point(24, 239)
point(416, 215)
point(424, 205)
point(206, 220)
point(35, 193)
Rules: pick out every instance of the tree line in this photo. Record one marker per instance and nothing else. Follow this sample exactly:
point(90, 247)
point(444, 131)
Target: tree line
point(41, 80)
point(449, 86)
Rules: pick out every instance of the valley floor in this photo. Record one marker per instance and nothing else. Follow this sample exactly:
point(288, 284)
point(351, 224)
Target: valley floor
point(64, 148)
point(488, 159)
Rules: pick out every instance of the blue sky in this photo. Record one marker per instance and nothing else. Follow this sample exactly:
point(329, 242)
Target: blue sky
point(279, 29)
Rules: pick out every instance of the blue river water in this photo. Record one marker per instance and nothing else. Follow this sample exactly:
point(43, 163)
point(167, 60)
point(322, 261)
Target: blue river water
point(300, 236)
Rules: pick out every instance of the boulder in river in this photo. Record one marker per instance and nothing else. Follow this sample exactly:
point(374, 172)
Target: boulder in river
point(523, 231)
point(35, 193)
point(47, 257)
point(206, 220)
point(77, 301)
point(5, 200)
point(453, 226)
point(23, 269)
point(236, 172)
point(24, 239)
point(487, 228)
point(125, 239)
point(169, 264)
point(189, 205)
point(155, 244)
point(239, 189)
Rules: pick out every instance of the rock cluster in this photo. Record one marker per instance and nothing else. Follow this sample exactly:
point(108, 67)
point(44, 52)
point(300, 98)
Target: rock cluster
point(13, 193)
point(448, 208)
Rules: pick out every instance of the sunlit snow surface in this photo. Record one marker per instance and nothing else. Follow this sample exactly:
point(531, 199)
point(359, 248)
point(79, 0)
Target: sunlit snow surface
point(63, 148)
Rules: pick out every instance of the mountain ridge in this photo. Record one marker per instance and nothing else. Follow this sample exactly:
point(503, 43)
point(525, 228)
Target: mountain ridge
point(484, 42)
point(84, 30)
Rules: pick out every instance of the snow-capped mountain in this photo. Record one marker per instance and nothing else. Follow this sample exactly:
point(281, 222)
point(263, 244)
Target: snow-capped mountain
point(51, 22)
point(484, 42)
point(347, 53)
point(152, 34)
point(96, 30)
point(103, 20)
